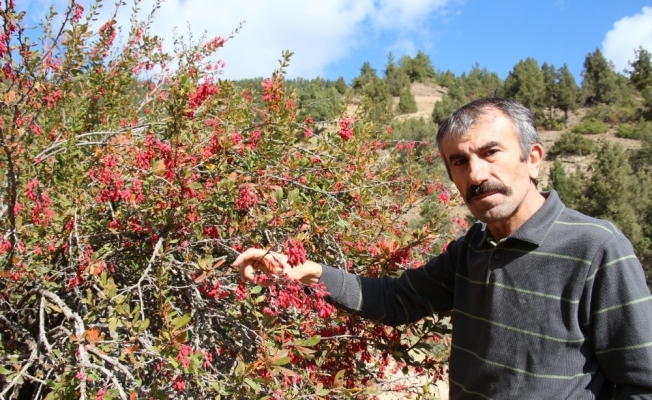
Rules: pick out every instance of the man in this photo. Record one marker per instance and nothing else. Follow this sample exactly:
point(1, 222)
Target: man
point(548, 303)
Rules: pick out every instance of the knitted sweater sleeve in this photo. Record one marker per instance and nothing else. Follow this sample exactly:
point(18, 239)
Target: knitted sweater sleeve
point(620, 319)
point(395, 301)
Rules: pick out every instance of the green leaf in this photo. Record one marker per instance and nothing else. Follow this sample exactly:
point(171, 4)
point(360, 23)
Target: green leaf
point(252, 384)
point(278, 195)
point(293, 195)
point(143, 325)
point(339, 375)
point(5, 371)
point(343, 223)
point(281, 361)
point(181, 321)
point(311, 341)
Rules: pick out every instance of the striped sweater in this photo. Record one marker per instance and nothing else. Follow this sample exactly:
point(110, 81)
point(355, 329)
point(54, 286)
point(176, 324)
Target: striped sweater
point(557, 310)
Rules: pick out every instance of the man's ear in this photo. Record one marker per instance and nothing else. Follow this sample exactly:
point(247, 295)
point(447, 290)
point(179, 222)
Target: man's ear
point(534, 160)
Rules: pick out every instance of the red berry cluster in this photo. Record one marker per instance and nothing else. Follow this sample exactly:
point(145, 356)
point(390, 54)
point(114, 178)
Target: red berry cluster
point(295, 252)
point(346, 130)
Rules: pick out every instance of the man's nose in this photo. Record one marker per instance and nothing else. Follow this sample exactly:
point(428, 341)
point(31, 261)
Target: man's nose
point(478, 171)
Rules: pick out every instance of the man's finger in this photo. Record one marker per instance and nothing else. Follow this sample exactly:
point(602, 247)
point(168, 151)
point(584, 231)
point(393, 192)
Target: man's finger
point(247, 273)
point(249, 255)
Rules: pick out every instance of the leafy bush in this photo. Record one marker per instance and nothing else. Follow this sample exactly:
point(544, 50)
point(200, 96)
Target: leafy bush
point(590, 126)
point(552, 124)
point(573, 143)
point(613, 113)
point(414, 129)
point(545, 121)
point(637, 131)
point(124, 201)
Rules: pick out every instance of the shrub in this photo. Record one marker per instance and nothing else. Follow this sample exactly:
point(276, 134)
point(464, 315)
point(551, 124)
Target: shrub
point(590, 126)
point(407, 104)
point(613, 113)
point(545, 121)
point(573, 143)
point(124, 201)
point(634, 131)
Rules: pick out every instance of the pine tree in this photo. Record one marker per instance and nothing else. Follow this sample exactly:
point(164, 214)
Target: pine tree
point(551, 88)
point(396, 78)
point(568, 187)
point(568, 93)
point(317, 100)
point(601, 83)
point(525, 83)
point(451, 101)
point(341, 86)
point(419, 68)
point(641, 74)
point(616, 194)
point(407, 104)
point(367, 74)
point(480, 83)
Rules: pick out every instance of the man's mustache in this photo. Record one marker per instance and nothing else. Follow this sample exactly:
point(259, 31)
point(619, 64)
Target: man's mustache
point(486, 187)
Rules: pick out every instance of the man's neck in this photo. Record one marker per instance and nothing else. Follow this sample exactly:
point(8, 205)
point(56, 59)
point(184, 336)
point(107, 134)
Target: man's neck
point(532, 203)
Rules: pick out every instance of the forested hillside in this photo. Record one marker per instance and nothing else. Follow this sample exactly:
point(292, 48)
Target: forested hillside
point(600, 154)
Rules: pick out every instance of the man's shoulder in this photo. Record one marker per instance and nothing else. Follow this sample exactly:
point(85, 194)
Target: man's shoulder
point(576, 228)
point(577, 220)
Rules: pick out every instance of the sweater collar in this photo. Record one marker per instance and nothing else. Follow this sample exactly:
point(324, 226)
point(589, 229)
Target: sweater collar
point(537, 227)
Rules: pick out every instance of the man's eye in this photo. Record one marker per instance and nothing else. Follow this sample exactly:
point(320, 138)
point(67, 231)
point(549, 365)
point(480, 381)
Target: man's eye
point(459, 162)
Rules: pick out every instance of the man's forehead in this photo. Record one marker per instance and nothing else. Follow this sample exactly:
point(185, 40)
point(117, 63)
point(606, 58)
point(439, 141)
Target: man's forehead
point(490, 130)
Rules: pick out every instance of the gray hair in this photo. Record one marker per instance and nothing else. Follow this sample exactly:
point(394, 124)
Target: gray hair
point(458, 123)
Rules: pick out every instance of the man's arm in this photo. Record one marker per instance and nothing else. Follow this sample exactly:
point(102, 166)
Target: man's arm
point(391, 301)
point(621, 320)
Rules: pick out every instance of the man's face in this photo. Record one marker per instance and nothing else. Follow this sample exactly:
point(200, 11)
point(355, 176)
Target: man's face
point(488, 169)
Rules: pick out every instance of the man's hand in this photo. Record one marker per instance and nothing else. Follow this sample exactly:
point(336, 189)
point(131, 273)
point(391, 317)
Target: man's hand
point(275, 263)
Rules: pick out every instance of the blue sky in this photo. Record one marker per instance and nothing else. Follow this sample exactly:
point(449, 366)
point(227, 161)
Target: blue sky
point(497, 34)
point(332, 38)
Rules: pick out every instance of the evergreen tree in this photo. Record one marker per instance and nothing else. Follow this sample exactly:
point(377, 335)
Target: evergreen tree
point(451, 101)
point(568, 93)
point(445, 79)
point(396, 78)
point(419, 68)
point(642, 158)
point(525, 83)
point(480, 83)
point(616, 194)
point(568, 187)
point(601, 83)
point(367, 74)
point(316, 99)
point(407, 104)
point(467, 87)
point(551, 88)
point(641, 74)
point(378, 100)
point(341, 86)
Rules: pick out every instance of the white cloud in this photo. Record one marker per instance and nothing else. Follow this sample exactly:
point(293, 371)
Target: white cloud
point(627, 35)
point(320, 33)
